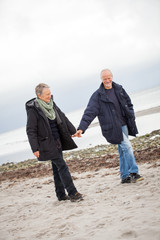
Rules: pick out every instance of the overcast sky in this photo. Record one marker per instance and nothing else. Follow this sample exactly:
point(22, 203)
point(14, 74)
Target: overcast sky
point(66, 43)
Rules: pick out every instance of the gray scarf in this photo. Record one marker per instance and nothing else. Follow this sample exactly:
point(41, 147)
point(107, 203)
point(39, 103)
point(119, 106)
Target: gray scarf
point(47, 108)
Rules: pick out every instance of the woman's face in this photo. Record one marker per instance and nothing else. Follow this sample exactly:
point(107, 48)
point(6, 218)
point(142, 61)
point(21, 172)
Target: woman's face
point(46, 95)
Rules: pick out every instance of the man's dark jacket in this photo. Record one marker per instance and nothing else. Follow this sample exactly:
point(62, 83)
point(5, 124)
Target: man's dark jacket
point(40, 135)
point(102, 107)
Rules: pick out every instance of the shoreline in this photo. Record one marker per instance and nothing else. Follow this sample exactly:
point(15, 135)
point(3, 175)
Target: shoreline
point(147, 121)
point(146, 149)
point(147, 111)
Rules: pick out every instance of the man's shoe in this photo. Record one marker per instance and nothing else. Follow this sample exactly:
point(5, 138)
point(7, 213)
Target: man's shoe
point(126, 180)
point(76, 197)
point(135, 177)
point(64, 198)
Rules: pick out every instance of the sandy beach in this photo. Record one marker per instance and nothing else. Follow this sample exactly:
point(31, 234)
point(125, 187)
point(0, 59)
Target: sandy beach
point(29, 208)
point(110, 210)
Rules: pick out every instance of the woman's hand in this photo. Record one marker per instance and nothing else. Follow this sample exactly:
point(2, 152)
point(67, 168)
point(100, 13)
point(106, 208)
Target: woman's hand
point(36, 154)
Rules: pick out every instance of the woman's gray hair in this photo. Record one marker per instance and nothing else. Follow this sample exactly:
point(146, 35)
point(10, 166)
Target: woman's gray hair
point(40, 87)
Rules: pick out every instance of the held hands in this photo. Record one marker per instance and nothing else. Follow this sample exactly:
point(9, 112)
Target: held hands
point(78, 133)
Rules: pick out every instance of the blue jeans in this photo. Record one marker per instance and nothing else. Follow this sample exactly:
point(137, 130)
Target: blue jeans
point(62, 177)
point(127, 160)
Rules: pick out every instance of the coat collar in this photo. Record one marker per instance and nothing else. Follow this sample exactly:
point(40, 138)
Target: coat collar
point(34, 104)
point(114, 85)
point(103, 94)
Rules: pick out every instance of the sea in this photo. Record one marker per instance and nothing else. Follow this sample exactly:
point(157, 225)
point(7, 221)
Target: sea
point(14, 146)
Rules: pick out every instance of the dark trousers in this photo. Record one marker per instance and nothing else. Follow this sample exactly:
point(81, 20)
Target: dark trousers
point(62, 177)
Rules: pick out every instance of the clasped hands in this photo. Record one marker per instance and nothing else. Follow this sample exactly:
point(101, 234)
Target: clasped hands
point(78, 133)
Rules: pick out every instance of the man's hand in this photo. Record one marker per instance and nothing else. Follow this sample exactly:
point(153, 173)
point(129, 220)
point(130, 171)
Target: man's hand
point(78, 133)
point(36, 154)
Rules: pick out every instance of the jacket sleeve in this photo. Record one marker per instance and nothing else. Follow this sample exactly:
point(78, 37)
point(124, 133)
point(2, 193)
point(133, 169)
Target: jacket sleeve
point(65, 120)
point(31, 130)
point(90, 112)
point(129, 106)
point(70, 126)
point(132, 128)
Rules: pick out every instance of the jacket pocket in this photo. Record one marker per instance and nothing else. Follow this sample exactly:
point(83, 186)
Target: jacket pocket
point(44, 144)
point(107, 127)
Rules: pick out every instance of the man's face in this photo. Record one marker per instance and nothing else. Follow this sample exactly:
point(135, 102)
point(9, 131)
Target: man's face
point(107, 79)
point(46, 95)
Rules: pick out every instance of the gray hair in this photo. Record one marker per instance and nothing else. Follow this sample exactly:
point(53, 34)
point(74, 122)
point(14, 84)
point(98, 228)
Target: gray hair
point(40, 87)
point(106, 69)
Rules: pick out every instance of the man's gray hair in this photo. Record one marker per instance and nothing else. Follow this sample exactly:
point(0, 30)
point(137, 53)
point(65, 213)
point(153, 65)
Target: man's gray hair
point(40, 87)
point(106, 69)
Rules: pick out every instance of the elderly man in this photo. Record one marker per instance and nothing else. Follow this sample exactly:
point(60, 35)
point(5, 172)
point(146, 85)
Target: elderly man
point(113, 107)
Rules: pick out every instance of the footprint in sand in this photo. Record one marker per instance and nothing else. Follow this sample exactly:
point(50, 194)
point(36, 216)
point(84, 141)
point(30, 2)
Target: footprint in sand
point(76, 213)
point(129, 234)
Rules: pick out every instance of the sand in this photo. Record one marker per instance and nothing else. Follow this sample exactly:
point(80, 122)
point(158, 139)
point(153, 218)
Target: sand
point(110, 210)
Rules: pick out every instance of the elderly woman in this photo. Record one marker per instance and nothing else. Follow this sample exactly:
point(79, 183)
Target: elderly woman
point(49, 132)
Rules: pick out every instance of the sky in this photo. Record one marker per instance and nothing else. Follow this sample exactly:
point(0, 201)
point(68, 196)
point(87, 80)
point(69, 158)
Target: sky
point(66, 43)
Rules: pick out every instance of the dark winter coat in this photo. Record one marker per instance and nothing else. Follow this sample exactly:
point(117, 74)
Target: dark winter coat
point(102, 107)
point(40, 135)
